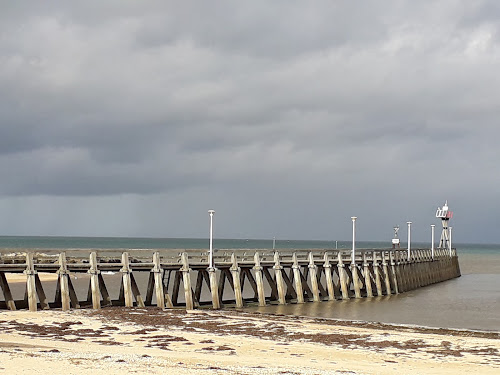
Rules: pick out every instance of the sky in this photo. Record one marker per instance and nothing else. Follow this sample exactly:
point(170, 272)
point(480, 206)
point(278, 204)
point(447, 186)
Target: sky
point(134, 118)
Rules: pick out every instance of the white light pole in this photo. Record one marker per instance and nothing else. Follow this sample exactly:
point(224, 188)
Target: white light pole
point(409, 238)
point(211, 260)
point(433, 226)
point(449, 242)
point(274, 243)
point(353, 260)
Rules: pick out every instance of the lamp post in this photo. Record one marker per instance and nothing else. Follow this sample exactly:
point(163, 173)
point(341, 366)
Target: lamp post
point(274, 243)
point(211, 253)
point(409, 238)
point(432, 240)
point(353, 260)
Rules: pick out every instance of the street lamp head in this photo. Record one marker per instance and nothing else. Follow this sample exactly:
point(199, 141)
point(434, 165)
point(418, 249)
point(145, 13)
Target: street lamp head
point(211, 212)
point(408, 222)
point(353, 218)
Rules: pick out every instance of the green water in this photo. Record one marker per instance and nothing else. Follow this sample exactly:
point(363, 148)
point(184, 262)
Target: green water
point(35, 242)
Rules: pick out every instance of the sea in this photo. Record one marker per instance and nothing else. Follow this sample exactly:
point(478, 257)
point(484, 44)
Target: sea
point(471, 301)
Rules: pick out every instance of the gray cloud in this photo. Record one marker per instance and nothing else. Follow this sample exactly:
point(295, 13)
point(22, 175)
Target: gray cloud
point(286, 117)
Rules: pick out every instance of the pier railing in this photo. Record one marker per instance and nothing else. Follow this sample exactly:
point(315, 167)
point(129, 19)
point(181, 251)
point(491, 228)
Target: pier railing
point(183, 279)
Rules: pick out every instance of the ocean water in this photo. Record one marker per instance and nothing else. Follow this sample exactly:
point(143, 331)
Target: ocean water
point(469, 302)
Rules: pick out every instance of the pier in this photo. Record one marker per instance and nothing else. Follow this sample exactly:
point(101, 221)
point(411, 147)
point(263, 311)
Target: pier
point(193, 279)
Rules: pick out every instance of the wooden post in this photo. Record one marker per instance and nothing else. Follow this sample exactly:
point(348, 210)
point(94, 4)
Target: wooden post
point(214, 287)
point(355, 280)
point(403, 271)
point(393, 272)
point(386, 275)
point(280, 285)
point(399, 272)
point(258, 278)
point(44, 304)
point(4, 284)
point(186, 277)
point(425, 268)
point(158, 280)
point(135, 291)
point(376, 270)
point(343, 277)
point(368, 281)
point(329, 279)
point(126, 281)
point(94, 281)
point(30, 282)
point(297, 279)
point(235, 273)
point(313, 277)
point(106, 298)
point(411, 274)
point(417, 261)
point(63, 282)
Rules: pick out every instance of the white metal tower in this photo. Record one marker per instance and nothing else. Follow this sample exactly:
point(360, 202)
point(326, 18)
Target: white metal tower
point(445, 215)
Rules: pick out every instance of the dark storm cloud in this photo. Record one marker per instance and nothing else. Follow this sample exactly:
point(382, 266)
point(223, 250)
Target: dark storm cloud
point(326, 108)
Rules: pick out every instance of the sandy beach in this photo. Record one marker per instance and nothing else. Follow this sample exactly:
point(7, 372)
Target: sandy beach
point(121, 340)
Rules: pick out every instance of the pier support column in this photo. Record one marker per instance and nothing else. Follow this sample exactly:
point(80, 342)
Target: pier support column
point(297, 279)
point(399, 272)
point(414, 267)
point(30, 282)
point(4, 285)
point(393, 273)
point(343, 277)
point(407, 273)
point(355, 280)
point(159, 292)
point(280, 285)
point(313, 276)
point(127, 283)
point(214, 287)
point(329, 279)
point(235, 273)
point(411, 275)
point(94, 281)
point(368, 281)
point(425, 268)
point(376, 271)
point(63, 276)
point(186, 278)
point(386, 275)
point(259, 281)
point(418, 269)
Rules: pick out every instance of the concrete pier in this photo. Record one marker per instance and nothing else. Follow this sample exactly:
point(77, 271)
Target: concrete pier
point(237, 278)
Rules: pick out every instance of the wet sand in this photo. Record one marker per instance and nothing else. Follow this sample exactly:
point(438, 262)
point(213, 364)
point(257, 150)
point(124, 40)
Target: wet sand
point(21, 277)
point(118, 339)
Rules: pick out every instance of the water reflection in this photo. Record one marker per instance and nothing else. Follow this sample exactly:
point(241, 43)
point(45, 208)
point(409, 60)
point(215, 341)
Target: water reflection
point(471, 302)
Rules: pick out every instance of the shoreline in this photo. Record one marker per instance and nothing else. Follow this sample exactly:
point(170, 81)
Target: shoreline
point(493, 334)
point(209, 342)
point(17, 279)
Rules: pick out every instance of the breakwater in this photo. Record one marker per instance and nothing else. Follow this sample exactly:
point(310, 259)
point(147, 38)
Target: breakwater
point(184, 278)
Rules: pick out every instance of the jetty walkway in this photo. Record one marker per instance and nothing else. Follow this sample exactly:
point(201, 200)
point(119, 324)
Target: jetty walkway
point(184, 279)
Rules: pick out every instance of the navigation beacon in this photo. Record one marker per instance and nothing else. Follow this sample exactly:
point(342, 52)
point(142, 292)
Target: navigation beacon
point(395, 240)
point(445, 215)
